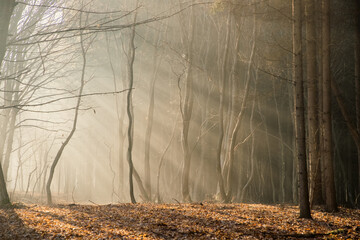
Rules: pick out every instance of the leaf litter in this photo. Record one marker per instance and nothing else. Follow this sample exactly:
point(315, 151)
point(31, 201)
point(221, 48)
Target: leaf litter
point(175, 221)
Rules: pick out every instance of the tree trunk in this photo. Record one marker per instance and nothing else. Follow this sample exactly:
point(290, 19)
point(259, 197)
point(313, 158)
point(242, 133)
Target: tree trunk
point(6, 9)
point(10, 140)
point(299, 110)
point(63, 145)
point(282, 150)
point(312, 106)
point(331, 205)
point(161, 162)
point(221, 132)
point(129, 109)
point(252, 157)
point(241, 114)
point(187, 108)
point(150, 117)
point(357, 79)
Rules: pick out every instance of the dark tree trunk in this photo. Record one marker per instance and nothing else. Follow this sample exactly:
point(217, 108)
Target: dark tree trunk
point(331, 205)
point(129, 109)
point(299, 110)
point(312, 107)
point(357, 79)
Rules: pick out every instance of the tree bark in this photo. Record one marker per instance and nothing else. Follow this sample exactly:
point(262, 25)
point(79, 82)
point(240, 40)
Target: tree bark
point(357, 79)
point(129, 109)
point(331, 205)
point(312, 106)
point(6, 9)
point(299, 110)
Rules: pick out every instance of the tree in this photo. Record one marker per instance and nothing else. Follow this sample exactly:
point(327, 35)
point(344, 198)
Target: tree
point(187, 107)
point(300, 110)
point(357, 78)
point(312, 104)
point(331, 204)
point(241, 114)
point(6, 9)
point(129, 109)
point(67, 140)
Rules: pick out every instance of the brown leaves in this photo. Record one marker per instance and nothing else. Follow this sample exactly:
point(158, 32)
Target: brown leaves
point(170, 221)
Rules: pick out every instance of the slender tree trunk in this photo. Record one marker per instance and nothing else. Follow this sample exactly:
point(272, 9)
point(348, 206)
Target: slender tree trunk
point(331, 205)
point(221, 132)
point(187, 109)
point(312, 106)
point(269, 171)
point(161, 162)
point(357, 79)
point(63, 145)
point(299, 110)
point(282, 150)
point(130, 132)
point(252, 157)
point(320, 97)
point(150, 117)
point(6, 9)
point(188, 106)
point(120, 119)
point(241, 114)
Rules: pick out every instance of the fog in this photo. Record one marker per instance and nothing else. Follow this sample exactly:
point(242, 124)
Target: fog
point(212, 101)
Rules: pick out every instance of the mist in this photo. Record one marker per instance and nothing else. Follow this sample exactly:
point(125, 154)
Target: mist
point(182, 101)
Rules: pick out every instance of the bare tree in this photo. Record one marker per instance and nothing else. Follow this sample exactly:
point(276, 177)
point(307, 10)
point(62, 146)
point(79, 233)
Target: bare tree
point(187, 107)
point(6, 9)
point(130, 131)
point(63, 145)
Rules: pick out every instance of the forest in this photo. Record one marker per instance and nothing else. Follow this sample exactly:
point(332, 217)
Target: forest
point(182, 108)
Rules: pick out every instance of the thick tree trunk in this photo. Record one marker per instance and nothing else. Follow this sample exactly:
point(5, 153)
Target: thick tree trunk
point(331, 205)
point(299, 109)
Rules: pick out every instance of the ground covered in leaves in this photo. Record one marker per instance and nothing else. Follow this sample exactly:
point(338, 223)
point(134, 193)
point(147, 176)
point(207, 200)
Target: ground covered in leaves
point(174, 221)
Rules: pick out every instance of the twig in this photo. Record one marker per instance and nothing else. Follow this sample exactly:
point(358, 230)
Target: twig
point(177, 201)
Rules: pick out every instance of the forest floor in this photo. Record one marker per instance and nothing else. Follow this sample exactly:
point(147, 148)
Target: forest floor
point(174, 221)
